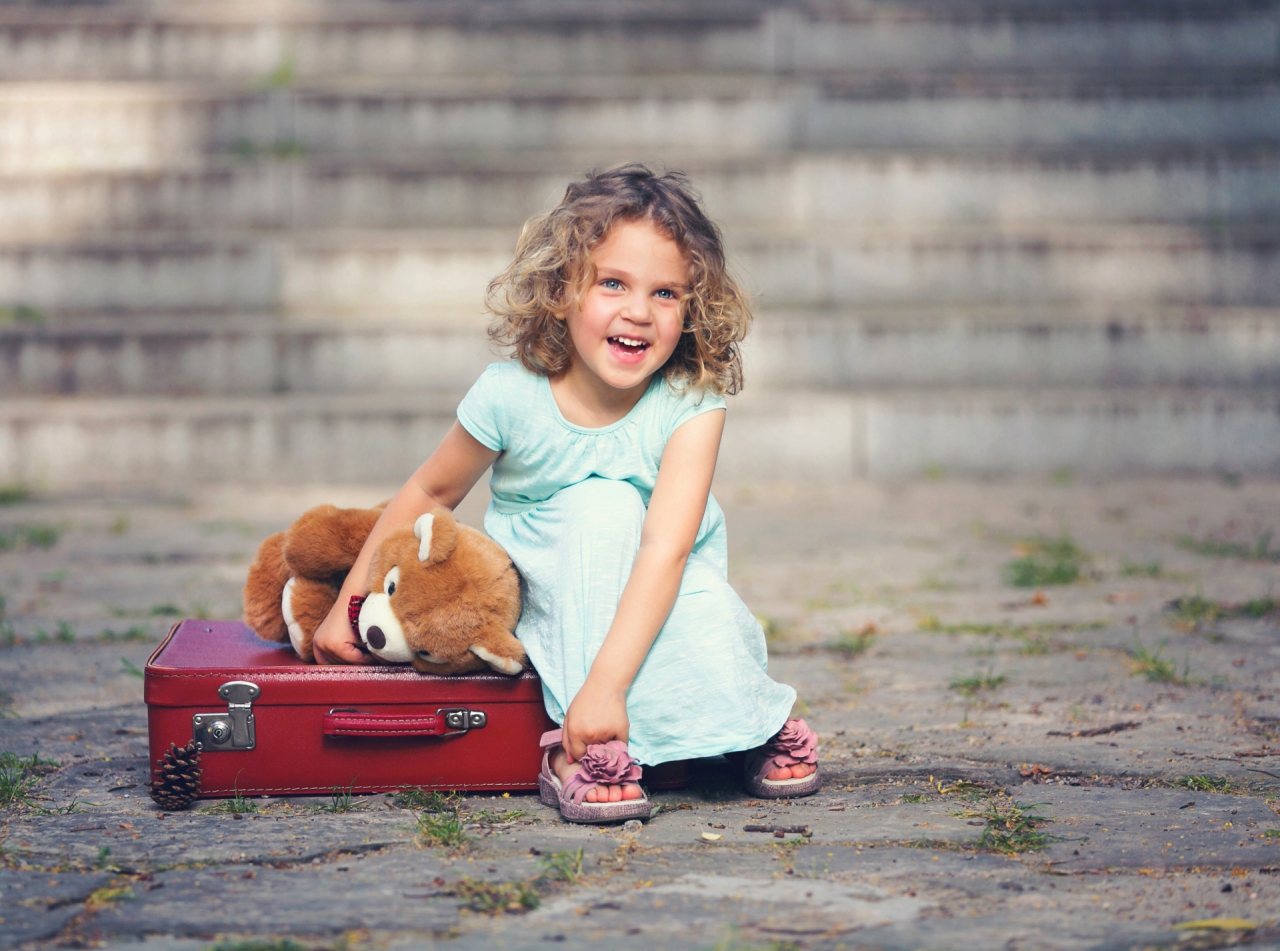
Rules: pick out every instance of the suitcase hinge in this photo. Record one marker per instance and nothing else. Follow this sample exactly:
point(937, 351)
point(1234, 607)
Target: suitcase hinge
point(234, 729)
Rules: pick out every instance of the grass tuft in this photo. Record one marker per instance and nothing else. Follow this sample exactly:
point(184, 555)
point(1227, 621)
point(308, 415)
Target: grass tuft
point(432, 800)
point(259, 944)
point(561, 866)
point(496, 898)
point(853, 643)
point(1219, 784)
point(1155, 667)
point(1259, 550)
point(1011, 829)
point(28, 536)
point(977, 683)
point(1046, 561)
point(442, 830)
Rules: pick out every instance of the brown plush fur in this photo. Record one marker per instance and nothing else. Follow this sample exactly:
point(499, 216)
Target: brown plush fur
point(466, 592)
point(267, 577)
point(326, 541)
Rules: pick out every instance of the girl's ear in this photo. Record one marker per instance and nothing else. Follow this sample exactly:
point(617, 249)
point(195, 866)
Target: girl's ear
point(437, 534)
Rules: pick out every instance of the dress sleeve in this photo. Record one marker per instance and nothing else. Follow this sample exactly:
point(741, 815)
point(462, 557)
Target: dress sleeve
point(690, 404)
point(482, 411)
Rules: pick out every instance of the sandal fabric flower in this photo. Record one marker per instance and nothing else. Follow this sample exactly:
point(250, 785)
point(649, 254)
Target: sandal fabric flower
point(794, 744)
point(603, 764)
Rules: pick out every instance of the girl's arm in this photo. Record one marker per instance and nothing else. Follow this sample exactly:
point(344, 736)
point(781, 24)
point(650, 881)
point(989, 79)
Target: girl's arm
point(444, 479)
point(598, 712)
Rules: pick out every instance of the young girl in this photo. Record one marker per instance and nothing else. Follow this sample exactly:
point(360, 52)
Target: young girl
point(603, 440)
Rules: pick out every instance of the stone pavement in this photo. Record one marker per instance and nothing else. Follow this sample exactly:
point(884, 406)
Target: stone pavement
point(1079, 765)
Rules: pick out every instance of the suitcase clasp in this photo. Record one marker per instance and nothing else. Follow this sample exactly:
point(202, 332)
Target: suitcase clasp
point(461, 719)
point(233, 730)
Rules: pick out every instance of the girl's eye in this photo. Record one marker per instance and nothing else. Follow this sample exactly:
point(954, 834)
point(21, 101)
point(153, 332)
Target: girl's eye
point(391, 589)
point(667, 294)
point(612, 283)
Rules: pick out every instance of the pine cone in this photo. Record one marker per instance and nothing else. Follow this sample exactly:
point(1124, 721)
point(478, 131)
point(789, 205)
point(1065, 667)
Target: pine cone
point(175, 783)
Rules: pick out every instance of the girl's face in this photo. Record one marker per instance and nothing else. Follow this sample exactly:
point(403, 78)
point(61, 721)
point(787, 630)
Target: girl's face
point(627, 323)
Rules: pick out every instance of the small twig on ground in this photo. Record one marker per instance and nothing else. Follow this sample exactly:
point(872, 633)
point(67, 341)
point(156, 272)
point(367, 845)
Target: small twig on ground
point(1100, 730)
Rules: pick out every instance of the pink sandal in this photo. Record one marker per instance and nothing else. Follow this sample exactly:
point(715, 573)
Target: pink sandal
point(604, 764)
point(795, 743)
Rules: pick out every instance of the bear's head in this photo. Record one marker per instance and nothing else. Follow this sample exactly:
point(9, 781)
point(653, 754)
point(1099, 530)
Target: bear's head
point(417, 610)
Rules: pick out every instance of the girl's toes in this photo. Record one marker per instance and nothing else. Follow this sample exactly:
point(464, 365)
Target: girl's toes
point(591, 796)
point(632, 791)
point(782, 772)
point(615, 794)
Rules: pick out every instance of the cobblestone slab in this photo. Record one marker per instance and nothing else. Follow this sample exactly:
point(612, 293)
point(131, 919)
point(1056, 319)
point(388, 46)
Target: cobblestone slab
point(961, 718)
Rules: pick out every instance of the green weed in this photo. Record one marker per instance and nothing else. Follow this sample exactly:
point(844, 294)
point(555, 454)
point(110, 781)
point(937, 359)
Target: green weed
point(15, 785)
point(1218, 784)
point(1152, 569)
point(28, 536)
point(131, 668)
point(1271, 834)
point(561, 866)
point(135, 633)
point(915, 797)
point(119, 525)
point(258, 944)
point(22, 314)
point(341, 800)
point(1153, 666)
point(427, 800)
point(489, 817)
point(495, 898)
point(165, 610)
point(1011, 829)
point(1046, 561)
point(12, 493)
point(977, 683)
point(442, 830)
point(853, 643)
point(237, 805)
point(1192, 612)
point(1259, 550)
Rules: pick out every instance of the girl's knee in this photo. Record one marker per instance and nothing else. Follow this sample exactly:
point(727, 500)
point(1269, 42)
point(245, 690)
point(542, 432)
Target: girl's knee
point(604, 507)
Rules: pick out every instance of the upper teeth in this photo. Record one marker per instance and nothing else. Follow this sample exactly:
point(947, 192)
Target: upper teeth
point(629, 341)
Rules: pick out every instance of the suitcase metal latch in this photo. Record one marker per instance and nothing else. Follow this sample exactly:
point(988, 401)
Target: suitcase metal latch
point(234, 729)
point(463, 719)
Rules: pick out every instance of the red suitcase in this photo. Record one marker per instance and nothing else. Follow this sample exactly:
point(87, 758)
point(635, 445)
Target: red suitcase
point(267, 723)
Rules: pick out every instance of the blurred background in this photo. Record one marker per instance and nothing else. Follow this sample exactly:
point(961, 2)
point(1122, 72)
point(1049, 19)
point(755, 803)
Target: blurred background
point(249, 241)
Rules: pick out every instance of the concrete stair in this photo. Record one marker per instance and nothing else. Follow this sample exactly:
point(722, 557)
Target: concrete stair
point(242, 240)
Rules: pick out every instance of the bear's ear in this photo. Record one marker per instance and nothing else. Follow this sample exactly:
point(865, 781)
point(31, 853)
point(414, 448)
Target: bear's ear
point(437, 534)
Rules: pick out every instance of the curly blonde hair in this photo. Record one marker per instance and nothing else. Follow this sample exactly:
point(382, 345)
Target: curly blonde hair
point(552, 269)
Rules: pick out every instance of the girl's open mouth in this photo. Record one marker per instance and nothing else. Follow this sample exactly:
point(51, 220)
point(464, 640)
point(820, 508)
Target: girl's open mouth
point(629, 345)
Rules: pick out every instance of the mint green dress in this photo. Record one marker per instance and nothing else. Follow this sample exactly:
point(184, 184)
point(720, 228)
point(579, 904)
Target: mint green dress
point(568, 506)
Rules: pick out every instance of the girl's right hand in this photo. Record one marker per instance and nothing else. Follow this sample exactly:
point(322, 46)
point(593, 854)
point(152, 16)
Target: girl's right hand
point(335, 642)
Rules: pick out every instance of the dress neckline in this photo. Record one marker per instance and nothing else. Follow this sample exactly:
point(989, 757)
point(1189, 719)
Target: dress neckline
point(545, 383)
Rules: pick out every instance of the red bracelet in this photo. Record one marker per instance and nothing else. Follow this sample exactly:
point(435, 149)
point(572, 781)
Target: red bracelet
point(353, 613)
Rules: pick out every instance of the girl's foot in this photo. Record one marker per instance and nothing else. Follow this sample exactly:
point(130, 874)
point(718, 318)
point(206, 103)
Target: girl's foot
point(785, 766)
point(601, 793)
point(798, 771)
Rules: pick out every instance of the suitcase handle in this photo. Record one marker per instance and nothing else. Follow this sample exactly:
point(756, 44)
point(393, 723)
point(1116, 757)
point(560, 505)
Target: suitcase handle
point(449, 722)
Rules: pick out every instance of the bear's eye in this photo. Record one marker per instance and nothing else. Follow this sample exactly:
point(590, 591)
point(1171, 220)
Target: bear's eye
point(391, 589)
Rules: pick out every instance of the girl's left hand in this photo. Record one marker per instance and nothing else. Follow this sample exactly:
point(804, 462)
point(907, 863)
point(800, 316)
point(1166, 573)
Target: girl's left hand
point(597, 714)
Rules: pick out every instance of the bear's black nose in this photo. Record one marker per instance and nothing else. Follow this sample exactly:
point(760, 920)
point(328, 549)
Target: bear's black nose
point(377, 640)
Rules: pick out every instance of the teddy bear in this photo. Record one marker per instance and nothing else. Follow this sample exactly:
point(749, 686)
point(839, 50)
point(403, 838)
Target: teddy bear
point(443, 596)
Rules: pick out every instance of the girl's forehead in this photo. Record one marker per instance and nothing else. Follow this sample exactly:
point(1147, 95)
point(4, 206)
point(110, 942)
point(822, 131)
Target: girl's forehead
point(639, 243)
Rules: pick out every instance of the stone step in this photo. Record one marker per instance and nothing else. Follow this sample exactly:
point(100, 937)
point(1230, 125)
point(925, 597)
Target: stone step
point(952, 347)
point(76, 444)
point(901, 189)
point(440, 275)
point(275, 43)
point(62, 127)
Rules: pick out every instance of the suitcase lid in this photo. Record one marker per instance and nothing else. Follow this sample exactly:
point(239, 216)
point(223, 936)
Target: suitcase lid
point(200, 656)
